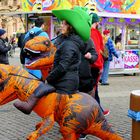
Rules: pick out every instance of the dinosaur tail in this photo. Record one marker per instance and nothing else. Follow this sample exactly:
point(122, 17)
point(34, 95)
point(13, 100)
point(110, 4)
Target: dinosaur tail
point(103, 131)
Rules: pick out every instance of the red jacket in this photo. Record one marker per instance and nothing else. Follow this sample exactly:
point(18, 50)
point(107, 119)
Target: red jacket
point(98, 43)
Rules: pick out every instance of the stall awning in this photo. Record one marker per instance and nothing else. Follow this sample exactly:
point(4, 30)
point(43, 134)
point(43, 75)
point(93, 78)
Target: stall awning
point(23, 13)
point(116, 15)
point(101, 14)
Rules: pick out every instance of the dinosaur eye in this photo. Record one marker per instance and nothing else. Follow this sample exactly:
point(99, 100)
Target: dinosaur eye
point(47, 43)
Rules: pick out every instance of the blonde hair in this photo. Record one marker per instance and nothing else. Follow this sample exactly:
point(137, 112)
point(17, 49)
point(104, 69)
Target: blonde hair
point(105, 38)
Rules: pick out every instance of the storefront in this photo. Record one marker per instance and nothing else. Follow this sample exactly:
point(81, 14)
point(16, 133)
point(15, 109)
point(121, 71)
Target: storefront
point(126, 35)
point(123, 20)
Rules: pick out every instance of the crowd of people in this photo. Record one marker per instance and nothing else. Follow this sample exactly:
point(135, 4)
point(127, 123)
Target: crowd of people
point(78, 64)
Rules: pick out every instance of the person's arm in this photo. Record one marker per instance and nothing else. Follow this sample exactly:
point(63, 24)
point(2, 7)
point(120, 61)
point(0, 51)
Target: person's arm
point(67, 52)
point(90, 53)
point(4, 48)
point(112, 48)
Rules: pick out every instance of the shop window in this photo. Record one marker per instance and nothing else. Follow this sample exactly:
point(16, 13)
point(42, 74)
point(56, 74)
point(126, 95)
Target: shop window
point(14, 2)
point(4, 3)
point(133, 36)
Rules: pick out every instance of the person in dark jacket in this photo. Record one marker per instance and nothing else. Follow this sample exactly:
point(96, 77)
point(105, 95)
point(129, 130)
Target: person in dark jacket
point(4, 48)
point(88, 56)
point(65, 73)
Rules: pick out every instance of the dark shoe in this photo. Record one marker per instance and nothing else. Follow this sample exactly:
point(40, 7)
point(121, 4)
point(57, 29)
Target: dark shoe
point(27, 107)
point(83, 137)
point(100, 81)
point(104, 84)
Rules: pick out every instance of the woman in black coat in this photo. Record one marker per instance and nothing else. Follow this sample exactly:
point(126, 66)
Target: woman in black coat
point(4, 48)
point(65, 73)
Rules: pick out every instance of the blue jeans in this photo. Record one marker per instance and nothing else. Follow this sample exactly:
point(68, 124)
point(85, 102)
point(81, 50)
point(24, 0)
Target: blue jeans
point(104, 76)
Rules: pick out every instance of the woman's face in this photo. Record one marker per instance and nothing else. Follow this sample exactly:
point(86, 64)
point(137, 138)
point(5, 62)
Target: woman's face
point(65, 27)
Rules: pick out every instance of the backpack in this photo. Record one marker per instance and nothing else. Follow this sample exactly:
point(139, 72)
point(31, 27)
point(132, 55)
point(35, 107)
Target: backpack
point(105, 53)
point(23, 41)
point(20, 40)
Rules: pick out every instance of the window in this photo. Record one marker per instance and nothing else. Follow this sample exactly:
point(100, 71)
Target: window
point(132, 36)
point(14, 2)
point(4, 3)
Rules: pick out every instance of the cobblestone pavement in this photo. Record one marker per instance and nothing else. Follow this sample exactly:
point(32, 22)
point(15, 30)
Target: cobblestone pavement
point(14, 125)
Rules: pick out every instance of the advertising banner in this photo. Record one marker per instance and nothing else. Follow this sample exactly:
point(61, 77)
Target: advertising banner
point(128, 59)
point(111, 6)
point(118, 6)
point(44, 5)
point(117, 63)
point(131, 59)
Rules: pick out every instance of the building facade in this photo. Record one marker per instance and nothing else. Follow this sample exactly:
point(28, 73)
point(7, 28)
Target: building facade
point(11, 23)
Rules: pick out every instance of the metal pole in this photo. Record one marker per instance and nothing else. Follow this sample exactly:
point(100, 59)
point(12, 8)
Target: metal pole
point(26, 22)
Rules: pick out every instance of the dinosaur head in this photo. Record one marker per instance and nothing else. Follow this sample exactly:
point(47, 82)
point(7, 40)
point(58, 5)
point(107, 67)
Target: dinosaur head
point(41, 53)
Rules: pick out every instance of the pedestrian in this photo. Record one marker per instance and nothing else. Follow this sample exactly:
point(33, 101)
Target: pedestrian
point(64, 75)
point(88, 56)
point(86, 82)
point(4, 47)
point(112, 51)
point(97, 67)
point(37, 30)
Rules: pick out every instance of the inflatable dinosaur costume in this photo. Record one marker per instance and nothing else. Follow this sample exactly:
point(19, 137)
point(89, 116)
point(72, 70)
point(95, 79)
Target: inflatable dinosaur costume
point(41, 55)
point(77, 113)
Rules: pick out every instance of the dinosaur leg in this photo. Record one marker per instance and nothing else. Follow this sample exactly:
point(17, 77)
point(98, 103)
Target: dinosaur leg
point(71, 136)
point(41, 128)
point(41, 90)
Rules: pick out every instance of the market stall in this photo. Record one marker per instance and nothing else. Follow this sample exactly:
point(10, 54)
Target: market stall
point(126, 35)
point(123, 20)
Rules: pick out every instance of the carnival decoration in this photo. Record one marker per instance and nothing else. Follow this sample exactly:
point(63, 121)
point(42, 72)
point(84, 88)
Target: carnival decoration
point(118, 6)
point(91, 5)
point(43, 5)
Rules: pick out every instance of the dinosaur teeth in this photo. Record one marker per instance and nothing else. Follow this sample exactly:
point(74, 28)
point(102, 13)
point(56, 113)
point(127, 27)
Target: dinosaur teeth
point(30, 63)
point(33, 51)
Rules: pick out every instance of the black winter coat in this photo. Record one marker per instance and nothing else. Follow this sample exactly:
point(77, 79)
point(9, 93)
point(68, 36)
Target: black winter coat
point(85, 76)
point(4, 48)
point(65, 73)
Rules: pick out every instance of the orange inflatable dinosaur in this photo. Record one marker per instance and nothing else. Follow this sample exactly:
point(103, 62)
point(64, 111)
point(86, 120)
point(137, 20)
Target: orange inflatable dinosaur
point(77, 113)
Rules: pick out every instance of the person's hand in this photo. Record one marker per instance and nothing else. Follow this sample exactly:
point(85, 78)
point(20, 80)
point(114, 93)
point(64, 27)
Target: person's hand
point(88, 55)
